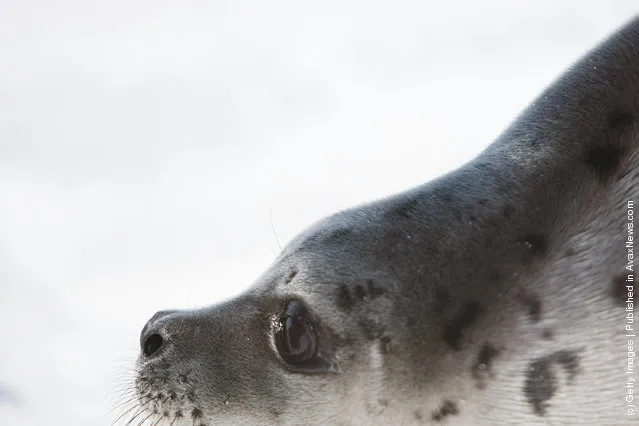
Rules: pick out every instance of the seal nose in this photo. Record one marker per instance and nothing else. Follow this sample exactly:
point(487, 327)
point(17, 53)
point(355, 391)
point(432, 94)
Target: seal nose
point(152, 337)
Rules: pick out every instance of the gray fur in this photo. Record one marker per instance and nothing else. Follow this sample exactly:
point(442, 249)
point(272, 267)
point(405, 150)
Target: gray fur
point(489, 296)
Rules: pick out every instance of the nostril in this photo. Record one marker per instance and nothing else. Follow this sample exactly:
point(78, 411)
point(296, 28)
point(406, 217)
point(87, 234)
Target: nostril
point(152, 344)
point(155, 335)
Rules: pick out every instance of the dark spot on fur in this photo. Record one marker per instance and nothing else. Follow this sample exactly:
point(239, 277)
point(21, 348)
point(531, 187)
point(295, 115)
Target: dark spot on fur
point(535, 245)
point(196, 413)
point(373, 289)
point(547, 334)
point(483, 202)
point(570, 251)
point(454, 329)
point(472, 219)
point(603, 160)
point(481, 368)
point(507, 211)
point(569, 360)
point(540, 385)
point(178, 414)
point(533, 305)
point(385, 344)
point(618, 290)
point(541, 378)
point(344, 300)
point(418, 415)
point(448, 408)
point(292, 273)
point(406, 209)
point(383, 402)
point(410, 321)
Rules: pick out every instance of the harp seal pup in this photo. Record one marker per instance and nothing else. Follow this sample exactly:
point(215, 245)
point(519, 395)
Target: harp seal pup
point(498, 294)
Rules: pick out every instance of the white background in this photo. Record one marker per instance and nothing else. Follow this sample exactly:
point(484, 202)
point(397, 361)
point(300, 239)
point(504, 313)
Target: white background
point(148, 148)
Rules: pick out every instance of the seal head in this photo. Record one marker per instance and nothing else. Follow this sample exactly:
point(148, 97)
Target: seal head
point(493, 295)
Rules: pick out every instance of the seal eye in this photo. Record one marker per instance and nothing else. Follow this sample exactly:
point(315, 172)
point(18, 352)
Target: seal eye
point(295, 338)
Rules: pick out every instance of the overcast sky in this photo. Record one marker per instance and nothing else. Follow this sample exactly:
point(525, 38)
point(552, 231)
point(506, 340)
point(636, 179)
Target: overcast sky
point(147, 150)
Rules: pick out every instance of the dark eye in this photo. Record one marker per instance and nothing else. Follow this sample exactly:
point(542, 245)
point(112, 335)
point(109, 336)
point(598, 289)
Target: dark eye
point(295, 338)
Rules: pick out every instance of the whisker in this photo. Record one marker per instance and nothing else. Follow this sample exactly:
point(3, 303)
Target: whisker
point(142, 410)
point(145, 419)
point(137, 406)
point(277, 239)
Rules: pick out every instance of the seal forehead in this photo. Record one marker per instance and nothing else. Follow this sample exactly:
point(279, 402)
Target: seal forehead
point(335, 261)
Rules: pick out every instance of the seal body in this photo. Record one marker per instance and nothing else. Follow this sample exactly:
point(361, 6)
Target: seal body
point(499, 294)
